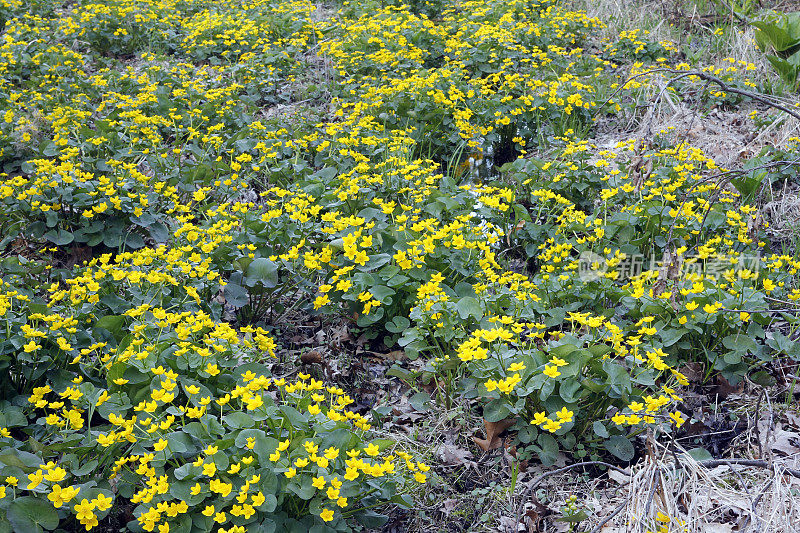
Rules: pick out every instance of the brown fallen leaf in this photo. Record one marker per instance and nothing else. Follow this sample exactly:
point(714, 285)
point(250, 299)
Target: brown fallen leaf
point(395, 355)
point(618, 477)
point(493, 431)
point(786, 442)
point(693, 372)
point(311, 357)
point(723, 387)
point(448, 506)
point(536, 515)
point(452, 455)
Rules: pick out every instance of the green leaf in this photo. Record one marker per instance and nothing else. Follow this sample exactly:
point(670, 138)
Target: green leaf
point(398, 324)
point(569, 390)
point(548, 449)
point(134, 241)
point(580, 516)
point(267, 526)
point(179, 442)
point(469, 307)
point(264, 271)
point(236, 295)
point(732, 358)
point(31, 514)
point(111, 323)
point(238, 420)
point(699, 454)
point(671, 336)
point(620, 447)
point(763, 378)
point(618, 377)
point(59, 237)
point(304, 489)
point(421, 401)
point(381, 293)
point(85, 468)
point(599, 429)
point(11, 416)
point(371, 519)
point(295, 417)
point(740, 343)
point(496, 410)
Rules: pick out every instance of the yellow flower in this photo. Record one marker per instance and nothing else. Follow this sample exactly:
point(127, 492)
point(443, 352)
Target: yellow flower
point(55, 475)
point(564, 415)
point(677, 417)
point(35, 478)
point(221, 488)
point(102, 502)
point(552, 425)
point(372, 450)
point(551, 371)
point(769, 285)
point(326, 515)
point(83, 510)
point(61, 496)
point(332, 453)
point(516, 367)
point(258, 499)
point(539, 419)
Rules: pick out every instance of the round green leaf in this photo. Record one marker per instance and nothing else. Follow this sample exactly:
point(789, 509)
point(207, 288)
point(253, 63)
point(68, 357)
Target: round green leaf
point(32, 514)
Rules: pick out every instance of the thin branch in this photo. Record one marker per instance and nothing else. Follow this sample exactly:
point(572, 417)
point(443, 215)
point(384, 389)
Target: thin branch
point(605, 520)
point(536, 482)
point(758, 97)
point(713, 463)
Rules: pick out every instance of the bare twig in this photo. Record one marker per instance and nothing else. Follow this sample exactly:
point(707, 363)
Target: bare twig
point(605, 520)
point(536, 482)
point(713, 463)
point(758, 97)
point(653, 486)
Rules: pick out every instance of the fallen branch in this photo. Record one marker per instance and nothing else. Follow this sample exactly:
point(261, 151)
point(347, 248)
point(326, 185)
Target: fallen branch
point(758, 97)
point(536, 482)
point(605, 520)
point(713, 463)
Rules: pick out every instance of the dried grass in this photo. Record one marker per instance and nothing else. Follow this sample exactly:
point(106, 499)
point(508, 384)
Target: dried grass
point(782, 212)
point(664, 495)
point(685, 496)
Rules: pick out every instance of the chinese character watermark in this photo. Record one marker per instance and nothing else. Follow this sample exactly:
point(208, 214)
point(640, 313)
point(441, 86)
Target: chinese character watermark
point(592, 266)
